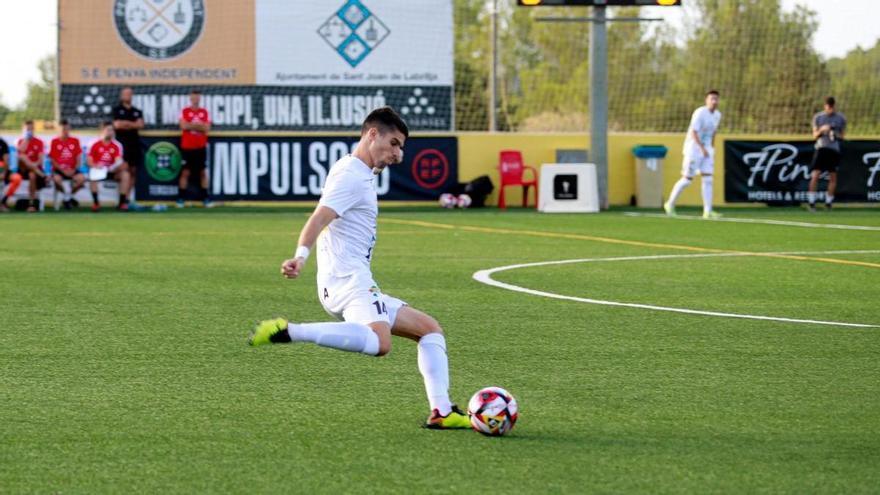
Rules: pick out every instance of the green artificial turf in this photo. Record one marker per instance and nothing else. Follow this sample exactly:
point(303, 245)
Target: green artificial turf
point(124, 365)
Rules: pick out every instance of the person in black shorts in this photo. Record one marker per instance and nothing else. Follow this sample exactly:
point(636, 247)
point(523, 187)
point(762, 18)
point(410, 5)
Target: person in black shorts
point(128, 120)
point(195, 123)
point(829, 127)
point(30, 152)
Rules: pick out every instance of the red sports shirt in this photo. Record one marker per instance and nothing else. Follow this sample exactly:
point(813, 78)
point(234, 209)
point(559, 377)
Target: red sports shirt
point(65, 152)
point(33, 150)
point(192, 140)
point(105, 154)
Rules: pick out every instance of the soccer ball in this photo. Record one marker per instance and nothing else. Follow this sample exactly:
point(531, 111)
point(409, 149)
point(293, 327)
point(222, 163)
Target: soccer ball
point(493, 411)
point(447, 200)
point(463, 201)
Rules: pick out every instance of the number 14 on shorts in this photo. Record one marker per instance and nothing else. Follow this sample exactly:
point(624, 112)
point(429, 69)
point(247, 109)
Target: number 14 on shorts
point(380, 307)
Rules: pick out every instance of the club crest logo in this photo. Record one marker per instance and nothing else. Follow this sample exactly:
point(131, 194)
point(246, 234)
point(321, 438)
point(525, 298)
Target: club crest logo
point(159, 29)
point(354, 32)
point(163, 161)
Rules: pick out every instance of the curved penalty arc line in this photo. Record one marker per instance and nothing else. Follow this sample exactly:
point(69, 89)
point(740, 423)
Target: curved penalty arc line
point(485, 277)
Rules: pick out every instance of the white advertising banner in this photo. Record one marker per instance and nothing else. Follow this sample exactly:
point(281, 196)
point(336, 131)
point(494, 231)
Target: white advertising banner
point(354, 43)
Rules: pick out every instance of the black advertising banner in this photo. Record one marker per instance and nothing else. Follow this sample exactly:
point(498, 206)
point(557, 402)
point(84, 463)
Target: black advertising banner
point(252, 108)
point(294, 168)
point(779, 172)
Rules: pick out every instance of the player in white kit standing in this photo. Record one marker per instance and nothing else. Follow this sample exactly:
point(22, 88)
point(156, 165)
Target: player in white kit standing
point(344, 226)
point(699, 155)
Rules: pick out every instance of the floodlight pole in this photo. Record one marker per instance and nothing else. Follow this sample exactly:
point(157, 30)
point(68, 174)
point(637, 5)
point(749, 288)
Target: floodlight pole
point(599, 101)
point(493, 70)
point(56, 105)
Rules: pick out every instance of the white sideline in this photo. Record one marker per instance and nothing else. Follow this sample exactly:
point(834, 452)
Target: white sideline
point(787, 223)
point(485, 277)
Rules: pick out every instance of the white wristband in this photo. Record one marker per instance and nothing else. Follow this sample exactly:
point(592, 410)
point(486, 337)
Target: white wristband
point(302, 252)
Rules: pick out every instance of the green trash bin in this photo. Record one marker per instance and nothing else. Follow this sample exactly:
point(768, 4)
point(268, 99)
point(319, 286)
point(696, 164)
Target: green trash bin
point(649, 175)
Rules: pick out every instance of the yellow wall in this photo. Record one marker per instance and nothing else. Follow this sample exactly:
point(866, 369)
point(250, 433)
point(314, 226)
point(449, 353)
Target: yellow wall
point(478, 155)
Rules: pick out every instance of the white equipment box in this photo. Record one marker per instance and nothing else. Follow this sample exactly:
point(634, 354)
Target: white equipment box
point(568, 188)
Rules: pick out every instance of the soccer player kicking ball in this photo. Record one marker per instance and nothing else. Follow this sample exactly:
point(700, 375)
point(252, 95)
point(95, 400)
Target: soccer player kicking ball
point(699, 155)
point(344, 226)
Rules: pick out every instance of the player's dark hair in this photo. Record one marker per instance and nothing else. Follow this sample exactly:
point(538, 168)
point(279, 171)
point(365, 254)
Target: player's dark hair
point(830, 101)
point(63, 122)
point(385, 119)
point(713, 92)
point(195, 91)
point(105, 123)
point(28, 122)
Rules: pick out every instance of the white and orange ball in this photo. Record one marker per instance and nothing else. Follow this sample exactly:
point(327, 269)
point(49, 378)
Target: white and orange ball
point(463, 201)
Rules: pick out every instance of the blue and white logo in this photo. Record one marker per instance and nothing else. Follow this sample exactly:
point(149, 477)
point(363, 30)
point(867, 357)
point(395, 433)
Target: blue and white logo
point(354, 32)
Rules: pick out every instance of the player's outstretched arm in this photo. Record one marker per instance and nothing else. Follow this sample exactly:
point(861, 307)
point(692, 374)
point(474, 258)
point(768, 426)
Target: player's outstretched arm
point(320, 219)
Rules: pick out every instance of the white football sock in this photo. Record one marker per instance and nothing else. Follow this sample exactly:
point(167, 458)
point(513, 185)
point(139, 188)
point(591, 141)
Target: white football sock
point(677, 189)
point(707, 193)
point(829, 199)
point(811, 197)
point(345, 336)
point(434, 366)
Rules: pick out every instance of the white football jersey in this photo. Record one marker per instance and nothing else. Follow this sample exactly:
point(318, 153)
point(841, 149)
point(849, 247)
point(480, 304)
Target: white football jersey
point(706, 124)
point(346, 245)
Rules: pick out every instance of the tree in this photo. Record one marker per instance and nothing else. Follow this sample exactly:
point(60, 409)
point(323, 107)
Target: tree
point(760, 59)
point(545, 71)
point(472, 59)
point(641, 69)
point(855, 82)
point(39, 104)
point(759, 56)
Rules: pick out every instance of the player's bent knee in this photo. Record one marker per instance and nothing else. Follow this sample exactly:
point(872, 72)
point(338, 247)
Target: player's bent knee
point(384, 348)
point(383, 332)
point(384, 344)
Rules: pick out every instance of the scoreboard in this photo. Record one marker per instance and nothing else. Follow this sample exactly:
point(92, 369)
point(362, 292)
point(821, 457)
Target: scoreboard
point(590, 3)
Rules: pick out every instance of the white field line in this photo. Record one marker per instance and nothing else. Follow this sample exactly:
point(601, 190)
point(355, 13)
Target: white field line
point(787, 223)
point(485, 277)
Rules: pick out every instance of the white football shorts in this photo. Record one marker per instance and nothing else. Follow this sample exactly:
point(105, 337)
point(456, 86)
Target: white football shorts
point(357, 298)
point(695, 163)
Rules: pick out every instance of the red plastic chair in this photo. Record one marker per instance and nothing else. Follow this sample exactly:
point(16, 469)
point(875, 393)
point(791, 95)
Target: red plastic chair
point(511, 168)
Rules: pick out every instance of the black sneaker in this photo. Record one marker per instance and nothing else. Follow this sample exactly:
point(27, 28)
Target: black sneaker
point(67, 205)
point(811, 208)
point(74, 203)
point(828, 206)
